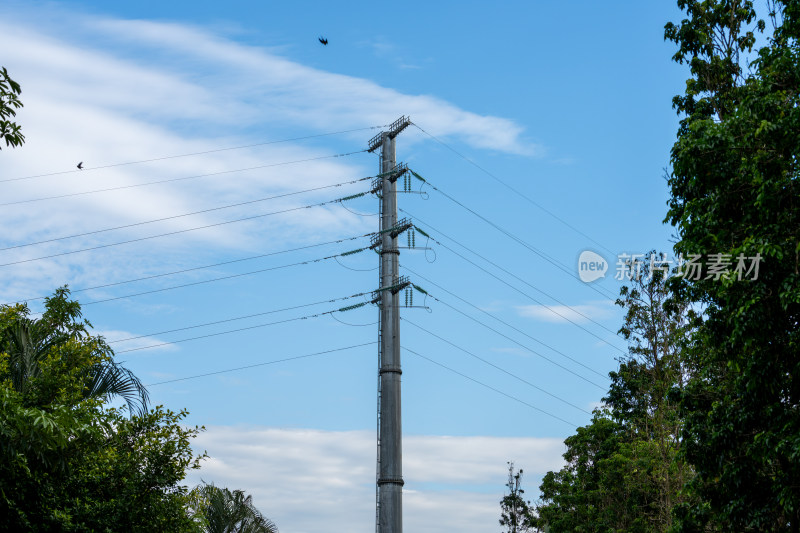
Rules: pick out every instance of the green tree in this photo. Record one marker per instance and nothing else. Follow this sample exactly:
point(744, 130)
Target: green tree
point(622, 473)
point(30, 344)
point(515, 512)
point(601, 487)
point(219, 510)
point(9, 103)
point(67, 461)
point(658, 328)
point(735, 193)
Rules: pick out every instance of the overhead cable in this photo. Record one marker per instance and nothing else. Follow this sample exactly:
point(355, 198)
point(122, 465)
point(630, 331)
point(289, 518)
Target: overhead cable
point(238, 330)
point(512, 189)
point(230, 276)
point(209, 210)
point(135, 185)
point(88, 169)
point(552, 310)
point(572, 424)
point(562, 354)
point(192, 269)
point(295, 358)
point(223, 321)
point(555, 262)
point(501, 369)
point(176, 232)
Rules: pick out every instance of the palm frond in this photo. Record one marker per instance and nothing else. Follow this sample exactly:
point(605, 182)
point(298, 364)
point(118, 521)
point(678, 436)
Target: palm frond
point(109, 378)
point(26, 349)
point(226, 511)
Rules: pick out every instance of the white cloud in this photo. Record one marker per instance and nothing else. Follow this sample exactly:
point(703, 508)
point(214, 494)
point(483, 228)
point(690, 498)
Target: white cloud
point(106, 91)
point(327, 100)
point(119, 341)
point(309, 481)
point(513, 351)
point(559, 314)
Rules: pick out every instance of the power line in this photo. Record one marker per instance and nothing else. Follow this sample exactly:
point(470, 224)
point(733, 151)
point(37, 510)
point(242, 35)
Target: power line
point(409, 350)
point(154, 276)
point(339, 320)
point(499, 267)
point(327, 202)
point(501, 369)
point(515, 329)
point(355, 269)
point(513, 237)
point(517, 288)
point(332, 300)
point(295, 358)
point(360, 214)
point(150, 346)
point(237, 330)
point(94, 232)
point(231, 276)
point(88, 169)
point(135, 185)
point(512, 189)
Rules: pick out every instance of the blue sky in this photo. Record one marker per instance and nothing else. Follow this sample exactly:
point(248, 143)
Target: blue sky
point(517, 107)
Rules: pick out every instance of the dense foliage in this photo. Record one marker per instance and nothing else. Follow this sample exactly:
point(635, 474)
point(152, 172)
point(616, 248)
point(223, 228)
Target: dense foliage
point(68, 462)
point(701, 430)
point(735, 191)
point(622, 471)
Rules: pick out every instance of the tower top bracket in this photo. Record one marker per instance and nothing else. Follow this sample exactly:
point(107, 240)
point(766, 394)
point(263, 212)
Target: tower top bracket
point(394, 129)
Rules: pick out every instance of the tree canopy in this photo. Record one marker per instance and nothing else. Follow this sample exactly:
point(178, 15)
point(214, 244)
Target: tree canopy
point(68, 462)
point(735, 193)
point(622, 471)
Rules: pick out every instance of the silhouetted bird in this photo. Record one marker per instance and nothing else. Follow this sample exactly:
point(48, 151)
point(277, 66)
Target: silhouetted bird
point(80, 165)
point(323, 40)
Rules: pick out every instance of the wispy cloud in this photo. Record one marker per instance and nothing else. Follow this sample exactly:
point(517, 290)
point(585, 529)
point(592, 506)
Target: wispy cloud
point(384, 49)
point(311, 96)
point(105, 91)
point(558, 314)
point(452, 483)
point(513, 351)
point(117, 340)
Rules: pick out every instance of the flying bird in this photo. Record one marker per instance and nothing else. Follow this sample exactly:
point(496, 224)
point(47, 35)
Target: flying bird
point(323, 40)
point(80, 165)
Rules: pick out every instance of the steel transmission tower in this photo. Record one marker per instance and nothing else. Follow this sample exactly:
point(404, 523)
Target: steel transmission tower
point(389, 504)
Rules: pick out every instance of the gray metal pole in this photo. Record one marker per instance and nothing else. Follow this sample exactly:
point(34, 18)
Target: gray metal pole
point(390, 475)
point(389, 497)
